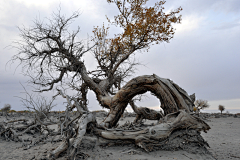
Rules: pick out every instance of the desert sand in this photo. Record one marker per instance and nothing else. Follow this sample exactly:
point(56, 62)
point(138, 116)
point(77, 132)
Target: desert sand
point(223, 138)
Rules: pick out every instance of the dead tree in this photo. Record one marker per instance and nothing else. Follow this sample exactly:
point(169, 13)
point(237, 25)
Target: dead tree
point(41, 107)
point(52, 56)
point(39, 104)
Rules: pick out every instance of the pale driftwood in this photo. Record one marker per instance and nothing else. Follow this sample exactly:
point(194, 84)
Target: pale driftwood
point(83, 121)
point(80, 108)
point(17, 120)
point(55, 153)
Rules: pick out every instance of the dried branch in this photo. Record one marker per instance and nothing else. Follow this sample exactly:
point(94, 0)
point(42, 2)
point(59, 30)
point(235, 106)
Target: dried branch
point(40, 104)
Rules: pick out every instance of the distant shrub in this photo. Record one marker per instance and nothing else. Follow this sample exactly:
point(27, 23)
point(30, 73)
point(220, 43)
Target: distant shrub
point(221, 108)
point(200, 104)
point(6, 108)
point(20, 112)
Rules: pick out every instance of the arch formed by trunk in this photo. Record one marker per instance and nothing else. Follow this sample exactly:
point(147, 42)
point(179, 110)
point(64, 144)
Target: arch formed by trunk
point(172, 97)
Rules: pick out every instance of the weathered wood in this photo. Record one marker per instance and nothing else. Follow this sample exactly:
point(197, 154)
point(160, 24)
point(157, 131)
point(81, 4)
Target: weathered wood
point(55, 153)
point(17, 120)
point(175, 121)
point(145, 113)
point(75, 141)
point(171, 96)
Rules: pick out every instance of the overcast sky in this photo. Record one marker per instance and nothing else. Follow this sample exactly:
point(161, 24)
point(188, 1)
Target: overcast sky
point(203, 57)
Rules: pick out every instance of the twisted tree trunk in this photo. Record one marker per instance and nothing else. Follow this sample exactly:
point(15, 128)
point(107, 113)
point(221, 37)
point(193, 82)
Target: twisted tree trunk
point(171, 96)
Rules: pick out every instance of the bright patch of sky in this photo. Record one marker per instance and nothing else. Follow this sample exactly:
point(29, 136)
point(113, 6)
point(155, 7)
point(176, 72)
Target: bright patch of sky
point(229, 104)
point(189, 24)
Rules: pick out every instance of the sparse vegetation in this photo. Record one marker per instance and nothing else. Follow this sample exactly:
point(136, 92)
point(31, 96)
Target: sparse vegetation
point(221, 108)
point(6, 109)
point(39, 104)
point(12, 111)
point(200, 105)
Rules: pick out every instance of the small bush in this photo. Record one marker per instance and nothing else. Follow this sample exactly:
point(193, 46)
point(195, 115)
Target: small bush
point(6, 108)
point(201, 104)
point(221, 108)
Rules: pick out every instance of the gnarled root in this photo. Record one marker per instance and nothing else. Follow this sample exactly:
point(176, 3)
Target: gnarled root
point(158, 133)
point(181, 139)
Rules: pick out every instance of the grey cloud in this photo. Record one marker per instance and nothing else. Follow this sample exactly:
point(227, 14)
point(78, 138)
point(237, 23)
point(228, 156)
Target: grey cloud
point(224, 26)
point(206, 64)
point(200, 7)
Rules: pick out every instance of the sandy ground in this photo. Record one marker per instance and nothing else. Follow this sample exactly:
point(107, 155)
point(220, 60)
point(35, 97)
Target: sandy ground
point(223, 138)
